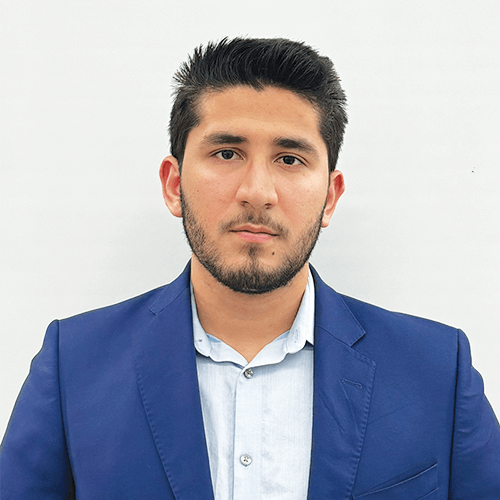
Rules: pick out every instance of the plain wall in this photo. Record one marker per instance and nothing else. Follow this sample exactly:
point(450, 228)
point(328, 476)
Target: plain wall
point(85, 99)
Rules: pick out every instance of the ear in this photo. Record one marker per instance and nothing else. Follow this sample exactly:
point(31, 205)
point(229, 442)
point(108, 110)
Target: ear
point(335, 190)
point(171, 185)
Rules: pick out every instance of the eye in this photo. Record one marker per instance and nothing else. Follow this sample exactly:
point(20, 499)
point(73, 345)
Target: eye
point(291, 161)
point(226, 154)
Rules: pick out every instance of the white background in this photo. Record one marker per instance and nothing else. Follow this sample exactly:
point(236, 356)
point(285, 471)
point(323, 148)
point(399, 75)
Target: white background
point(85, 99)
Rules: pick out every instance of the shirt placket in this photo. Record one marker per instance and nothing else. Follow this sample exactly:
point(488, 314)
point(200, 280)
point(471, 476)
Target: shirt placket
point(247, 458)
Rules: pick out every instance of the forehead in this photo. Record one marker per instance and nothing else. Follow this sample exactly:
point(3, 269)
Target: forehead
point(246, 110)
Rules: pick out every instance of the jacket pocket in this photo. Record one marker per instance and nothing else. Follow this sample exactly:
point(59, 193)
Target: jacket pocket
point(414, 488)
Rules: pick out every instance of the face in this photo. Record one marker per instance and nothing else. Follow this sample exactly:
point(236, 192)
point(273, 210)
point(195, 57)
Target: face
point(255, 188)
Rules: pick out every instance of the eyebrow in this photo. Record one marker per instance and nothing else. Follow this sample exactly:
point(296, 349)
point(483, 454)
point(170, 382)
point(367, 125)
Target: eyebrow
point(296, 143)
point(222, 138)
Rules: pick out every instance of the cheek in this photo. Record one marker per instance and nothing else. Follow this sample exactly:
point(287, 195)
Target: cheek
point(306, 204)
point(211, 182)
point(209, 199)
point(200, 190)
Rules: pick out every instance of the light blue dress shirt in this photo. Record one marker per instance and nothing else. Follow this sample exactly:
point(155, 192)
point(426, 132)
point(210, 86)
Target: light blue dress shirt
point(258, 415)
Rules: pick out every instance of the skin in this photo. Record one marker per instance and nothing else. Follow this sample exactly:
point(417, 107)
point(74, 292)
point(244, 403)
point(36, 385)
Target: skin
point(236, 163)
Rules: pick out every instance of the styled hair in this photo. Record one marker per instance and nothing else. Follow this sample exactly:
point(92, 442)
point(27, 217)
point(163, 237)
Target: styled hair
point(258, 63)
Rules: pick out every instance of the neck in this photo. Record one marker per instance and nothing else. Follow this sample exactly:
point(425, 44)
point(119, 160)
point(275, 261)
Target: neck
point(246, 322)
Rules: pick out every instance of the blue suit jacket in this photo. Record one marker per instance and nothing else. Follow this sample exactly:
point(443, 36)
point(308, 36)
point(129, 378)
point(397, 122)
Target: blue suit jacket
point(111, 408)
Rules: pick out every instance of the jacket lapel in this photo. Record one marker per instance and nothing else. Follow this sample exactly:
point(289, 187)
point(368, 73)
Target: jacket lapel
point(343, 381)
point(167, 379)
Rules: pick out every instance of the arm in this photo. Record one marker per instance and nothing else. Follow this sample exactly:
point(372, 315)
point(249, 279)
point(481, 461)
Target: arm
point(33, 458)
point(475, 465)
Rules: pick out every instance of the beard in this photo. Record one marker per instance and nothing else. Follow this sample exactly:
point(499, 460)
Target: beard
point(252, 277)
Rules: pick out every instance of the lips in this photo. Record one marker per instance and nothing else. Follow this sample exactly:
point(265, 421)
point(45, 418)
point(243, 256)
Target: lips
point(254, 234)
point(254, 229)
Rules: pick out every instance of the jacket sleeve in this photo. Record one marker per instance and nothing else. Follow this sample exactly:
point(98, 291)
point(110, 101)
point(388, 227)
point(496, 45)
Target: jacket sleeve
point(475, 466)
point(33, 458)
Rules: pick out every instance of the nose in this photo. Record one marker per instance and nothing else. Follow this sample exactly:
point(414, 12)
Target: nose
point(257, 187)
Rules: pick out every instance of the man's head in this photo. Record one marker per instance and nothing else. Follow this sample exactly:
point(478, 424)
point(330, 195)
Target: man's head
point(258, 63)
point(258, 181)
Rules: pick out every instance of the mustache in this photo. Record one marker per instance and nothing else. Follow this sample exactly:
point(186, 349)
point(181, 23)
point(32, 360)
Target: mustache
point(262, 219)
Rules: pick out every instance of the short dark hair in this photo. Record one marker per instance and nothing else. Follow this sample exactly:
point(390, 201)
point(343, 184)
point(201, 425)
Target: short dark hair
point(258, 62)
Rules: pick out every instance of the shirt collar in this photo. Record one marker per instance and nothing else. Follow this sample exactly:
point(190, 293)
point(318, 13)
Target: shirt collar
point(290, 342)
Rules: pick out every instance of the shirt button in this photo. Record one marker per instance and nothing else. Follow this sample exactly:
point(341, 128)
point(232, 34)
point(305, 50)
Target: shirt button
point(246, 460)
point(248, 373)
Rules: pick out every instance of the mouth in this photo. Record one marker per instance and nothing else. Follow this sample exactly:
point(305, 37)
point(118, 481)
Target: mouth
point(254, 234)
point(248, 228)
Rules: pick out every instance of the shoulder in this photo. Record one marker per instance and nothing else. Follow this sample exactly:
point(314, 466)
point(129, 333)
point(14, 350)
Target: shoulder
point(401, 342)
point(373, 320)
point(386, 336)
point(124, 318)
point(153, 301)
point(372, 317)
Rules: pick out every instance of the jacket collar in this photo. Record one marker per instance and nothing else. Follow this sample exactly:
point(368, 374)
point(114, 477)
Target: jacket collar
point(343, 381)
point(167, 379)
point(168, 382)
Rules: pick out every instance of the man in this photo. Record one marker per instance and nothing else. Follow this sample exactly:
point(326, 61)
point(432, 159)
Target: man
point(248, 377)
